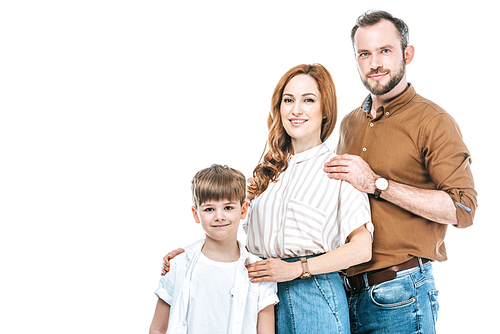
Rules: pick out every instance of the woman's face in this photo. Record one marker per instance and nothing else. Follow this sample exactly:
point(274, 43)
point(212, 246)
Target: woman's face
point(301, 112)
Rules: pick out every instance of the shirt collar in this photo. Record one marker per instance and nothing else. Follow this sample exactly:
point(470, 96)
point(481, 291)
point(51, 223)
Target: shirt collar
point(393, 106)
point(193, 249)
point(309, 154)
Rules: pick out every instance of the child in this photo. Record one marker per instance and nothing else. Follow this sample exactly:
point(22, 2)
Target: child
point(207, 288)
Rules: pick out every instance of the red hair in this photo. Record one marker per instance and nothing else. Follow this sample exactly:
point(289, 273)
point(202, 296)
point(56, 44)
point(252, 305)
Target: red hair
point(275, 160)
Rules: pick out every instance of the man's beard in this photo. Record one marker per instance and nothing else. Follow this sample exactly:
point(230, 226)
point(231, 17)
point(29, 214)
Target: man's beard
point(379, 89)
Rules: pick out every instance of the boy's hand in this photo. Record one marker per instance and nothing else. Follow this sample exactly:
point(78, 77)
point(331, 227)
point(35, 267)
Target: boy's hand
point(166, 263)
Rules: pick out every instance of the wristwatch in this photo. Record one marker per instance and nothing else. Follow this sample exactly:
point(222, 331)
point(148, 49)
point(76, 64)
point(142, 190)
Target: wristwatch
point(381, 184)
point(305, 268)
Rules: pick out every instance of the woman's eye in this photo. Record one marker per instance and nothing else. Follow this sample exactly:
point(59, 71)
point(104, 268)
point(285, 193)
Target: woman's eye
point(309, 100)
point(287, 100)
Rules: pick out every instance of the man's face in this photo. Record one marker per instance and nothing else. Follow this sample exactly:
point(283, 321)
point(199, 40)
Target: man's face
point(381, 64)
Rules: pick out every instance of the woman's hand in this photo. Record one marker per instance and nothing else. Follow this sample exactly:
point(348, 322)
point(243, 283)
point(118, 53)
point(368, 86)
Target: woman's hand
point(273, 270)
point(169, 256)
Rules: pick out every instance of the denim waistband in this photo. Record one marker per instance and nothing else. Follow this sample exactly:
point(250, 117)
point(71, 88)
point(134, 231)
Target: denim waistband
point(295, 259)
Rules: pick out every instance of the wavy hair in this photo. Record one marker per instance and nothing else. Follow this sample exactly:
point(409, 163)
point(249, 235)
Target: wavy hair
point(279, 144)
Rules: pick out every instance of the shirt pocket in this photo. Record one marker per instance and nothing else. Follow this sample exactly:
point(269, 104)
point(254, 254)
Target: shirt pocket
point(304, 226)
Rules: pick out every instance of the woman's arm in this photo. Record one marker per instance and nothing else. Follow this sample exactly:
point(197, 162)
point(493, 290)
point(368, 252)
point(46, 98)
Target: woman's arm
point(170, 256)
point(159, 325)
point(265, 320)
point(357, 250)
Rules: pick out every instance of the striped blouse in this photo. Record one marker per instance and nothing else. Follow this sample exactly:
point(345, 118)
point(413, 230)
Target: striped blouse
point(305, 212)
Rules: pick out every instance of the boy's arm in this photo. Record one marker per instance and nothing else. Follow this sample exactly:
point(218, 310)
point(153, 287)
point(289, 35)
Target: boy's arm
point(160, 319)
point(265, 320)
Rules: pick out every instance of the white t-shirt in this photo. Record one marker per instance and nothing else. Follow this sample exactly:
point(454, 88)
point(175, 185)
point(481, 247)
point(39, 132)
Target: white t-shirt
point(187, 283)
point(305, 212)
point(210, 296)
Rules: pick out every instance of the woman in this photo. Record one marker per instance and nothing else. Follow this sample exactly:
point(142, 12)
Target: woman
point(305, 224)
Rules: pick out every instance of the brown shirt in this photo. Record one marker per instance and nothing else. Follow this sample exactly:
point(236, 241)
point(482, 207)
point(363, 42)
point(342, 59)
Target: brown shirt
point(415, 142)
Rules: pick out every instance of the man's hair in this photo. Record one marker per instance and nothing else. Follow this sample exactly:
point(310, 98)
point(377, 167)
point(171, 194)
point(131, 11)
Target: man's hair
point(371, 17)
point(217, 183)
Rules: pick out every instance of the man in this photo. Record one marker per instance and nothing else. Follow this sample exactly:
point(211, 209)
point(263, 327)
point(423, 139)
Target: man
point(407, 153)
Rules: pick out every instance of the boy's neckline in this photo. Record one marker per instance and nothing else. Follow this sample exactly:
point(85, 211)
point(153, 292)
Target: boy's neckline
point(221, 253)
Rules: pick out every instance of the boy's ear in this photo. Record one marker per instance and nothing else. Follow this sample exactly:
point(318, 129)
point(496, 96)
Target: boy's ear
point(244, 210)
point(195, 215)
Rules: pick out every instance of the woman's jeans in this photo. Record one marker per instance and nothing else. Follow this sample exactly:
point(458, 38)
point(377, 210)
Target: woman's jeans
point(406, 304)
point(316, 304)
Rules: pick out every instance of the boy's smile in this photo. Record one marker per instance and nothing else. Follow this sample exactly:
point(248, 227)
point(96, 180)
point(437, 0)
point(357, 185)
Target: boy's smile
point(220, 219)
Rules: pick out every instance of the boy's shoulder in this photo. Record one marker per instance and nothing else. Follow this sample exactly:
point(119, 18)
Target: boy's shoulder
point(189, 252)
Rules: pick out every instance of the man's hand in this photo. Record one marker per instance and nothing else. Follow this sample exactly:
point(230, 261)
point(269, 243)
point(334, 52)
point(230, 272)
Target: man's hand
point(354, 170)
point(169, 256)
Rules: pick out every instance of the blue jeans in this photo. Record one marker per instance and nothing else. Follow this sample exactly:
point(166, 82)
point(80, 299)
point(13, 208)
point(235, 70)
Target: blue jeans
point(316, 304)
point(406, 304)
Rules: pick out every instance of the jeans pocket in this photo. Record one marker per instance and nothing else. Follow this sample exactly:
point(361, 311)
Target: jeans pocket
point(433, 296)
point(395, 293)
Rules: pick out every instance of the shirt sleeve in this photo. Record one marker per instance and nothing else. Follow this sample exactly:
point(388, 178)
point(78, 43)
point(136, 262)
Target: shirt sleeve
point(267, 294)
point(165, 288)
point(354, 211)
point(448, 161)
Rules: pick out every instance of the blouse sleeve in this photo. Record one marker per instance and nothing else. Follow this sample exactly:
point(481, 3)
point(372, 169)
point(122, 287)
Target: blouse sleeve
point(354, 211)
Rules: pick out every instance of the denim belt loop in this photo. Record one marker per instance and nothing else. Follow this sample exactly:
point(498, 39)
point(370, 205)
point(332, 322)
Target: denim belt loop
point(422, 270)
point(365, 280)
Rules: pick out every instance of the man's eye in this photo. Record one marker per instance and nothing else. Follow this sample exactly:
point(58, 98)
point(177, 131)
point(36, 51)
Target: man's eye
point(364, 54)
point(386, 51)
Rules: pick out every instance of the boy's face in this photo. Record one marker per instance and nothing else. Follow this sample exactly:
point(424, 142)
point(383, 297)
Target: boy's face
point(220, 219)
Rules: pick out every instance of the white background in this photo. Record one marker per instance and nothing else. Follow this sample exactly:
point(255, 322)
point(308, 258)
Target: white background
point(108, 108)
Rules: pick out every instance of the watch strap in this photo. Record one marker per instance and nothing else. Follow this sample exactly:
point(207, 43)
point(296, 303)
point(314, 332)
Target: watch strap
point(305, 268)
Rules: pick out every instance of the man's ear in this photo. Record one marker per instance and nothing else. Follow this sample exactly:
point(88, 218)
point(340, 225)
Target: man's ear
point(244, 210)
point(409, 53)
point(195, 215)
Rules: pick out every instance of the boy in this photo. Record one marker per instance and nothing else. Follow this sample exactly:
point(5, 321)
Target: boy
point(207, 288)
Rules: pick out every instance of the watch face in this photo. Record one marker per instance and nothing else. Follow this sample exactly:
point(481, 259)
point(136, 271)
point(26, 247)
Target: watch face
point(381, 184)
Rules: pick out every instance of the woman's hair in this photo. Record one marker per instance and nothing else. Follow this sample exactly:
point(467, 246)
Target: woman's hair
point(275, 160)
point(218, 183)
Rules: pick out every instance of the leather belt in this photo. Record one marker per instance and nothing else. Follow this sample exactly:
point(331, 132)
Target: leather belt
point(381, 275)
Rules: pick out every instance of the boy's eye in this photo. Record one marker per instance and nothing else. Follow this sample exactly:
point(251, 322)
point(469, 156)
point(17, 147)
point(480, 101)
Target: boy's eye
point(208, 210)
point(229, 207)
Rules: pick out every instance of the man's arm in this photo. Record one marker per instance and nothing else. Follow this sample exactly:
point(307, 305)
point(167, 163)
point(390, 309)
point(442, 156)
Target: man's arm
point(434, 205)
point(159, 325)
point(265, 320)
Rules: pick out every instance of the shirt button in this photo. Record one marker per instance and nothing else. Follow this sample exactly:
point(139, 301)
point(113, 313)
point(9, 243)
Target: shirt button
point(371, 124)
point(387, 113)
point(364, 149)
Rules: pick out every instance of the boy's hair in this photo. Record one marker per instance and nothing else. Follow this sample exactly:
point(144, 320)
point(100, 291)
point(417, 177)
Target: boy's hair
point(372, 17)
point(217, 183)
